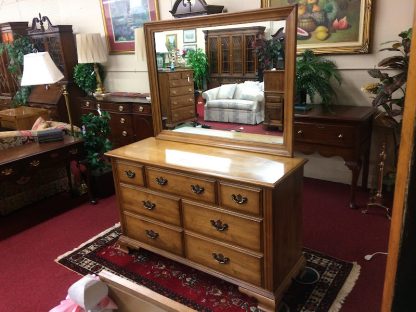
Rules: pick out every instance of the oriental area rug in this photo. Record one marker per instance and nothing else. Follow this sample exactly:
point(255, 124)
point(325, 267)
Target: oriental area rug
point(322, 286)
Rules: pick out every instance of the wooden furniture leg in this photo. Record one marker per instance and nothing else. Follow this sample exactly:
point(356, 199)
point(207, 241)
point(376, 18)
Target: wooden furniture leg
point(355, 167)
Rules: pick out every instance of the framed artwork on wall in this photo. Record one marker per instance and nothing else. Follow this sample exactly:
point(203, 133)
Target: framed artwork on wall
point(331, 26)
point(188, 47)
point(171, 42)
point(120, 19)
point(189, 36)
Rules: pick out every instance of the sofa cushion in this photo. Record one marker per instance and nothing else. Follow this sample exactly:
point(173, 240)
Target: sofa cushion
point(238, 91)
point(226, 91)
point(231, 104)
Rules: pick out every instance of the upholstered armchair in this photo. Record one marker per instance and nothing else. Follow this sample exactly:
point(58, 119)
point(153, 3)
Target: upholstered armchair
point(27, 190)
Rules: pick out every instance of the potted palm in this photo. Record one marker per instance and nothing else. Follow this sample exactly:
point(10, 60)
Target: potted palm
point(95, 132)
point(198, 61)
point(313, 77)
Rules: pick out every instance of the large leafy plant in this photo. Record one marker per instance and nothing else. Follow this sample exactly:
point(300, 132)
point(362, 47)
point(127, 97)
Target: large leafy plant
point(85, 78)
point(95, 132)
point(15, 53)
point(389, 92)
point(314, 75)
point(269, 51)
point(198, 61)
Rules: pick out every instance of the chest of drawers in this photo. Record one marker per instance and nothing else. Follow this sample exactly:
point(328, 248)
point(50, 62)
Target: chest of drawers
point(234, 214)
point(177, 98)
point(131, 118)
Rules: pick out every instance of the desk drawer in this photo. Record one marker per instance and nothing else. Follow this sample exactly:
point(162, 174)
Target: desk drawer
point(181, 101)
point(236, 230)
point(130, 173)
point(181, 90)
point(157, 235)
point(240, 198)
point(238, 264)
point(150, 204)
point(325, 134)
point(183, 113)
point(183, 185)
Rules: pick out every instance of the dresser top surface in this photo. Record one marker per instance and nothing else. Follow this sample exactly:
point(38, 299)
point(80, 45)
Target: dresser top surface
point(260, 169)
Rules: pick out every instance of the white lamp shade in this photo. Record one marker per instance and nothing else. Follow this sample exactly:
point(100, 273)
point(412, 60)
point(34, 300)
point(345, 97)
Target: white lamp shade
point(90, 48)
point(39, 69)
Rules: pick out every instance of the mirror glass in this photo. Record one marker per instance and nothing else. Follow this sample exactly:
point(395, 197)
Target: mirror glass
point(245, 100)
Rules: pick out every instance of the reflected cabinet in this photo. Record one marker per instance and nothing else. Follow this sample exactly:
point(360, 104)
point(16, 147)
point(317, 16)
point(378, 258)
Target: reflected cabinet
point(231, 55)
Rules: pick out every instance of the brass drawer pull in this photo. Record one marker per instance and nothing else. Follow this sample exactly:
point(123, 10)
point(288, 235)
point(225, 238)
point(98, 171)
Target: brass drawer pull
point(197, 189)
point(122, 120)
point(121, 108)
point(73, 151)
point(130, 174)
point(161, 181)
point(239, 199)
point(190, 90)
point(219, 226)
point(221, 259)
point(141, 108)
point(340, 136)
point(34, 163)
point(87, 104)
point(300, 132)
point(148, 205)
point(174, 92)
point(124, 133)
point(7, 171)
point(151, 234)
point(98, 106)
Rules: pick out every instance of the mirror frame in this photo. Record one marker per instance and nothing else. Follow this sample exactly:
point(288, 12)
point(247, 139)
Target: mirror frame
point(289, 14)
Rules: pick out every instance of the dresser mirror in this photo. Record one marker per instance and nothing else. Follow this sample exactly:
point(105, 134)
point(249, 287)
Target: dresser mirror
point(168, 74)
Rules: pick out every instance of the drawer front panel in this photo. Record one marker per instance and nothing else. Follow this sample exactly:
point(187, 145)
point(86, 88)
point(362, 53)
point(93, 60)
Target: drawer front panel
point(114, 107)
point(183, 100)
point(187, 74)
point(142, 109)
point(240, 198)
point(181, 90)
point(274, 98)
point(226, 260)
point(130, 173)
point(159, 207)
point(180, 184)
point(181, 82)
point(88, 104)
point(154, 234)
point(183, 113)
point(336, 135)
point(223, 226)
point(174, 76)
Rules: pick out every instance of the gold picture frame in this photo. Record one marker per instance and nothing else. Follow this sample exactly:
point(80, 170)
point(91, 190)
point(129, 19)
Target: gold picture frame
point(345, 25)
point(121, 17)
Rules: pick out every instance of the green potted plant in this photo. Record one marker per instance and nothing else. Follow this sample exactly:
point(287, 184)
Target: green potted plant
point(95, 132)
point(85, 77)
point(313, 77)
point(198, 61)
point(15, 53)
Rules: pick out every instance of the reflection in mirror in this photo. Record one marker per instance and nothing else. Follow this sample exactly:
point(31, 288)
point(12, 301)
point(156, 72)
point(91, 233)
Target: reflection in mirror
point(244, 61)
point(243, 98)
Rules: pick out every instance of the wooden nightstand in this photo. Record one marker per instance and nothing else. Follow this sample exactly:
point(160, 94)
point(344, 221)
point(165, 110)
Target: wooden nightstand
point(344, 131)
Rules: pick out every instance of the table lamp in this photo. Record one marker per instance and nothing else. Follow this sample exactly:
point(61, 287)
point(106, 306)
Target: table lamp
point(39, 69)
point(90, 49)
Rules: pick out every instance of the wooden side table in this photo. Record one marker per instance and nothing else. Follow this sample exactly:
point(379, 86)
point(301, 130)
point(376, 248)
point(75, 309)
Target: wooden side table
point(343, 131)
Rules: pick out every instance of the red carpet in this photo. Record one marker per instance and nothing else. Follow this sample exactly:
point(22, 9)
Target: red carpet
point(30, 280)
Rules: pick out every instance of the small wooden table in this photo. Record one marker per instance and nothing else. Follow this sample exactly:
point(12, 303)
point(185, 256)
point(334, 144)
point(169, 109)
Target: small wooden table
point(22, 118)
point(343, 131)
point(28, 159)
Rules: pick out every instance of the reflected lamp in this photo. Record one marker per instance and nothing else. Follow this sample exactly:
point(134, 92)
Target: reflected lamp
point(90, 49)
point(39, 69)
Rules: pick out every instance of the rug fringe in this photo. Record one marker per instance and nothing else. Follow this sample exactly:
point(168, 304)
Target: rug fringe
point(346, 288)
point(88, 241)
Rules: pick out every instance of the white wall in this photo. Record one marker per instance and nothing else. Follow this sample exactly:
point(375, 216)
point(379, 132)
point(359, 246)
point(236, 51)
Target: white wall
point(126, 73)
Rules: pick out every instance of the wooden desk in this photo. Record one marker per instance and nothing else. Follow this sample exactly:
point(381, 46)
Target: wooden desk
point(29, 158)
point(345, 131)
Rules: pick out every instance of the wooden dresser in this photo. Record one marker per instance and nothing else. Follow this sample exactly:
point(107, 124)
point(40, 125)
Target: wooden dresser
point(131, 118)
point(343, 131)
point(206, 207)
point(176, 89)
point(274, 81)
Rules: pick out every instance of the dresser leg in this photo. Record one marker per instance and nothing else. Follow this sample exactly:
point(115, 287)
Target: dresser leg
point(264, 303)
point(122, 246)
point(355, 167)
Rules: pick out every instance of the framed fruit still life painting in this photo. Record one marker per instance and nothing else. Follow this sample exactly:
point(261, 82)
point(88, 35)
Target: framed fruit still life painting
point(331, 26)
point(121, 17)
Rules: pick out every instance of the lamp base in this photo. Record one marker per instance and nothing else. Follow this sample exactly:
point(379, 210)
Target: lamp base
point(101, 96)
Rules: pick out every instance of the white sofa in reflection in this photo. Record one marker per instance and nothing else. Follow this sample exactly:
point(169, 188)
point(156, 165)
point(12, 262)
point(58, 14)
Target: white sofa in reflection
point(237, 103)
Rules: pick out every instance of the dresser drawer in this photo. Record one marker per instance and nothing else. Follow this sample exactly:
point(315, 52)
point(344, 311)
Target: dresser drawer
point(150, 204)
point(238, 264)
point(274, 98)
point(183, 100)
point(88, 104)
point(232, 228)
point(174, 76)
point(181, 82)
point(336, 135)
point(181, 184)
point(240, 198)
point(186, 74)
point(114, 107)
point(130, 173)
point(142, 109)
point(181, 90)
point(183, 113)
point(156, 235)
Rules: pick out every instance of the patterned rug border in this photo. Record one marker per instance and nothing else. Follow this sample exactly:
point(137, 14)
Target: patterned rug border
point(336, 306)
